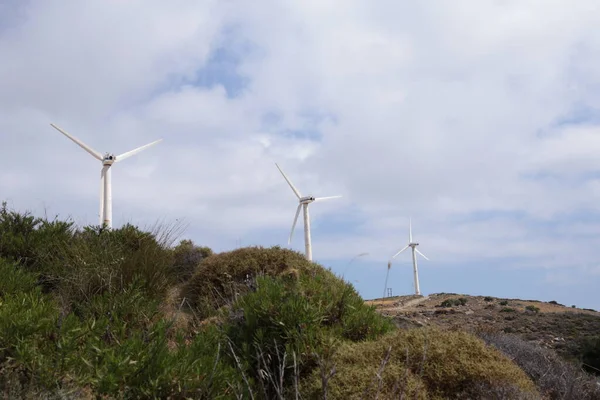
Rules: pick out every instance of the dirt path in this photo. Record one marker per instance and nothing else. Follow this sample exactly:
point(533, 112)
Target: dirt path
point(410, 303)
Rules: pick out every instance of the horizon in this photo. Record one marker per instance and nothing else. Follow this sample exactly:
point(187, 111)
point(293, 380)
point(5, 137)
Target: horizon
point(478, 120)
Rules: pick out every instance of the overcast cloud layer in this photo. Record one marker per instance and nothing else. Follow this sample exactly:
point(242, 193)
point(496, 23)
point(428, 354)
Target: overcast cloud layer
point(477, 118)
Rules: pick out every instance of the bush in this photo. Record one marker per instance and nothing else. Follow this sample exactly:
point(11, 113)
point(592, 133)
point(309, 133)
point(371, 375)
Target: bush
point(532, 309)
point(507, 309)
point(488, 298)
point(454, 302)
point(119, 348)
point(30, 241)
point(102, 261)
point(222, 278)
point(555, 378)
point(187, 257)
point(503, 303)
point(419, 363)
point(590, 354)
point(302, 317)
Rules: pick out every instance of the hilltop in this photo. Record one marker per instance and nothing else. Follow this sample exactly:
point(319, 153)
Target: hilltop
point(566, 330)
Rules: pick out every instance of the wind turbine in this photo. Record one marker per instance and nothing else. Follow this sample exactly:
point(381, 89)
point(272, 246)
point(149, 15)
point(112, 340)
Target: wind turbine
point(108, 159)
point(413, 246)
point(303, 203)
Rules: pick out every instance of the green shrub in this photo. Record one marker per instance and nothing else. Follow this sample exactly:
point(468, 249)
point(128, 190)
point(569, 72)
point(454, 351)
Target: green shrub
point(30, 241)
point(532, 309)
point(590, 354)
point(503, 303)
point(223, 277)
point(488, 298)
point(302, 316)
point(15, 279)
point(187, 257)
point(102, 261)
point(419, 363)
point(507, 309)
point(453, 302)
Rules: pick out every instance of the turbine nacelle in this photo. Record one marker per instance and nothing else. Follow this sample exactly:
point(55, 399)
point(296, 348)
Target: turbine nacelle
point(307, 199)
point(109, 159)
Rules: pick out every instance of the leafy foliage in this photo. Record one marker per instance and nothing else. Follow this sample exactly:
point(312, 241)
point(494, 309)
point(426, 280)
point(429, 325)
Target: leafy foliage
point(304, 316)
point(221, 278)
point(533, 308)
point(187, 256)
point(461, 301)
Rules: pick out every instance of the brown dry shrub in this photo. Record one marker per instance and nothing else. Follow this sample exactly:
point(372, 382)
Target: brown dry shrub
point(555, 377)
point(423, 363)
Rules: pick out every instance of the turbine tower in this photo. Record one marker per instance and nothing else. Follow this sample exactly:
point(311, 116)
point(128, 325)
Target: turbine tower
point(413, 246)
point(303, 203)
point(108, 159)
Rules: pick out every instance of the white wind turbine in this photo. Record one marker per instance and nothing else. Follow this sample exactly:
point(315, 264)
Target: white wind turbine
point(105, 175)
point(413, 246)
point(304, 202)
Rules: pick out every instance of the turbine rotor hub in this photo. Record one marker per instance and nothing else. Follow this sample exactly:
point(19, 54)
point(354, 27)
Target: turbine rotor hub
point(108, 159)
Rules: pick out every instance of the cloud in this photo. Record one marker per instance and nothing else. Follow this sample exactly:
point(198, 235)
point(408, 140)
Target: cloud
point(476, 119)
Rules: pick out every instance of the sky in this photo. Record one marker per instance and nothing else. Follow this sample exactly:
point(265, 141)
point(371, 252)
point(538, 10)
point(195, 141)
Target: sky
point(480, 120)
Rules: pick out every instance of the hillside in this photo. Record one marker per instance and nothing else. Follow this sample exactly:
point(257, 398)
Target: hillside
point(124, 313)
point(566, 330)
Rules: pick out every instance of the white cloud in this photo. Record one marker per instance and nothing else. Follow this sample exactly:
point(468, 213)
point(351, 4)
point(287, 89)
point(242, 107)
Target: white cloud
point(435, 111)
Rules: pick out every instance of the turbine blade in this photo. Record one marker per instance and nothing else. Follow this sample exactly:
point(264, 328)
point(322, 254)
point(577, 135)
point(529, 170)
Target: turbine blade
point(125, 156)
point(410, 230)
point(327, 198)
point(404, 248)
point(296, 191)
point(84, 146)
point(294, 224)
point(422, 255)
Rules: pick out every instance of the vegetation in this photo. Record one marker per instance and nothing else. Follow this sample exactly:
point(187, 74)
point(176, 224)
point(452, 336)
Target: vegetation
point(555, 378)
point(532, 308)
point(421, 363)
point(461, 301)
point(123, 313)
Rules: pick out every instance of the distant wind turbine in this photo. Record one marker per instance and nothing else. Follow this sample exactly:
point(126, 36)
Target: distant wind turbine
point(105, 175)
point(413, 246)
point(304, 202)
